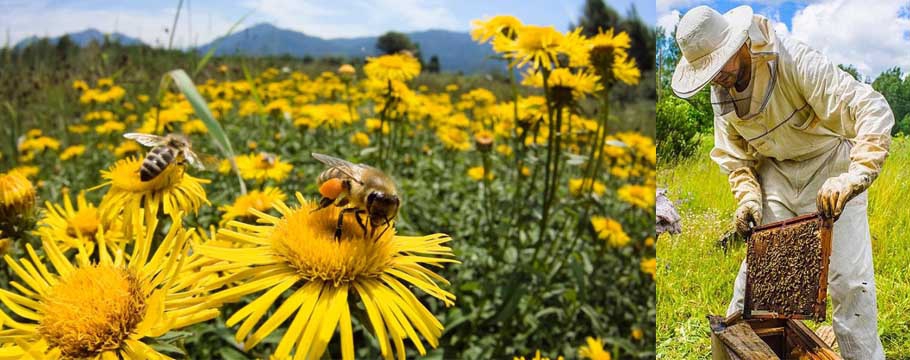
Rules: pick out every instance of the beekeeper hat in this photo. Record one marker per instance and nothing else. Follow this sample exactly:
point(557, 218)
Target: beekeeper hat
point(707, 40)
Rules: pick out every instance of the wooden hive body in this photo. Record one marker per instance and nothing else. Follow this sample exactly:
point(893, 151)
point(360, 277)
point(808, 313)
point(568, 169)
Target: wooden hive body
point(787, 281)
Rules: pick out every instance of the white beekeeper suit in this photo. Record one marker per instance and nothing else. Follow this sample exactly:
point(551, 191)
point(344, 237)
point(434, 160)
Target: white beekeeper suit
point(804, 136)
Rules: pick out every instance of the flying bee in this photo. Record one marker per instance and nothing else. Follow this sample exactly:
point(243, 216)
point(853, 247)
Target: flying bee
point(166, 150)
point(362, 188)
point(268, 158)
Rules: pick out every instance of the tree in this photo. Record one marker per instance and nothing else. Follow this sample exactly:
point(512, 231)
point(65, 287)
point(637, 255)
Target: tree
point(433, 67)
point(850, 69)
point(643, 39)
point(596, 15)
point(394, 42)
point(896, 90)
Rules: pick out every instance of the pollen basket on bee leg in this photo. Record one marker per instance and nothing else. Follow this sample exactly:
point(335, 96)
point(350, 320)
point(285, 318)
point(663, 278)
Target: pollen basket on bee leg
point(332, 188)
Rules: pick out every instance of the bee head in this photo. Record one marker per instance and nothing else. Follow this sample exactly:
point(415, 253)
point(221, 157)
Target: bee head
point(382, 208)
point(178, 141)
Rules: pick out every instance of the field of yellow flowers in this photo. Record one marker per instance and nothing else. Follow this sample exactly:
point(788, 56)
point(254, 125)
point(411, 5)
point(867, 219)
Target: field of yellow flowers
point(525, 227)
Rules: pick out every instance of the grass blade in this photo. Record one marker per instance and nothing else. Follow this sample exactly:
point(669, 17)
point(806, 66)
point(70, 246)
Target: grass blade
point(211, 52)
point(201, 108)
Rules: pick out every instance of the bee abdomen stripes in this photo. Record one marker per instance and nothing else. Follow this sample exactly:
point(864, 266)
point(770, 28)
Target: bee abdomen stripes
point(155, 162)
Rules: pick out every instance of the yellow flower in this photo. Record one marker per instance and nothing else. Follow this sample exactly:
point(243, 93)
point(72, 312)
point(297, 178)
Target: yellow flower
point(346, 70)
point(536, 357)
point(610, 230)
point(78, 128)
point(72, 151)
point(17, 202)
point(504, 149)
point(80, 85)
point(143, 98)
point(594, 350)
point(39, 144)
point(105, 82)
point(637, 334)
point(26, 170)
point(638, 196)
point(101, 308)
point(254, 200)
point(649, 266)
point(537, 45)
point(565, 84)
point(576, 48)
point(476, 173)
point(500, 25)
point(127, 148)
point(483, 140)
point(297, 250)
point(373, 124)
point(79, 227)
point(610, 60)
point(173, 190)
point(385, 68)
point(263, 166)
point(579, 187)
point(452, 87)
point(649, 242)
point(360, 139)
point(525, 171)
point(110, 127)
point(454, 138)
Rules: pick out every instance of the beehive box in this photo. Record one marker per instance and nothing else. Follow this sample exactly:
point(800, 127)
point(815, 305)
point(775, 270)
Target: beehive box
point(787, 280)
point(765, 336)
point(788, 268)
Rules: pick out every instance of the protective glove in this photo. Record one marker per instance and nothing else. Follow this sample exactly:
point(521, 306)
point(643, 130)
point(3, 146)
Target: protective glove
point(837, 191)
point(748, 215)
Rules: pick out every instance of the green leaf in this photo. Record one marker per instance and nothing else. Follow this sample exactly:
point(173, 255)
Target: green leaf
point(201, 108)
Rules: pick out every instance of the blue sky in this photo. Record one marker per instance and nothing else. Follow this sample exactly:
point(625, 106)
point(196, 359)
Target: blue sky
point(873, 35)
point(208, 19)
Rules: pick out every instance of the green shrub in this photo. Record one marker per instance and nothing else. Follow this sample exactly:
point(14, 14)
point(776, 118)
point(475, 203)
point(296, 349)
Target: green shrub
point(677, 128)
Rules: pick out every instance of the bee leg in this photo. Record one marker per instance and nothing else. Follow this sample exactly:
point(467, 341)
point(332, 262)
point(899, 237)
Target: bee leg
point(360, 221)
point(388, 224)
point(324, 203)
point(341, 222)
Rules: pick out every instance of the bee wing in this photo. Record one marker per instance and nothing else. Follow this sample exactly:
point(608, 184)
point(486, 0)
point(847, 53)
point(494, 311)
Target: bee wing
point(146, 139)
point(193, 159)
point(348, 168)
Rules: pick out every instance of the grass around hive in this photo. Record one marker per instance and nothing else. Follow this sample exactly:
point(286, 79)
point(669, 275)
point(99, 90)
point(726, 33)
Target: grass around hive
point(695, 277)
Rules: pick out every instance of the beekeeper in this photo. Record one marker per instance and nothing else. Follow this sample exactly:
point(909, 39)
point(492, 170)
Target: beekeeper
point(796, 135)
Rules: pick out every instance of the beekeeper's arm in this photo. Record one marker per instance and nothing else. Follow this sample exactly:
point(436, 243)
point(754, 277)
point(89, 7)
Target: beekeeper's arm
point(731, 153)
point(862, 111)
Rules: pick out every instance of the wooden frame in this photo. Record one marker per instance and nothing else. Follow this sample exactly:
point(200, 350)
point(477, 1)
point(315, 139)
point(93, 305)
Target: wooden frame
point(826, 227)
point(779, 334)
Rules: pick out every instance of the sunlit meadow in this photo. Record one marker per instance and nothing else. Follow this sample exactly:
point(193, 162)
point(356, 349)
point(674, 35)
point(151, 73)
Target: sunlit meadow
point(525, 227)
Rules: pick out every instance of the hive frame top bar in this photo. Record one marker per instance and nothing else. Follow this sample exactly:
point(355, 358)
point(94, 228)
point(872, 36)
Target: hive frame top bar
point(789, 221)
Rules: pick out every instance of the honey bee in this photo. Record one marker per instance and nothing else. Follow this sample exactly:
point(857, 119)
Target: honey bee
point(362, 188)
point(166, 150)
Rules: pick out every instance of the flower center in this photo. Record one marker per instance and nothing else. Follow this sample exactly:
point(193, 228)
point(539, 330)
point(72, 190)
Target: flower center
point(305, 239)
point(91, 310)
point(85, 222)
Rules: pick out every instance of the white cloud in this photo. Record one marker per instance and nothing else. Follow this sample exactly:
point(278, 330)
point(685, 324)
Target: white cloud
point(47, 19)
point(869, 34)
point(668, 20)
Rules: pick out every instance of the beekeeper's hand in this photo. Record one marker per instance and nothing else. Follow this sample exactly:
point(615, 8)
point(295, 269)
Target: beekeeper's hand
point(748, 215)
point(837, 191)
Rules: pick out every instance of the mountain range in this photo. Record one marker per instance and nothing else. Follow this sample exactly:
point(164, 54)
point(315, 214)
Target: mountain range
point(456, 51)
